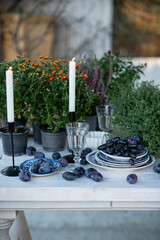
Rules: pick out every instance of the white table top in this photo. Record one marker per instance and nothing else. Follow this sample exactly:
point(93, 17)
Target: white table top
point(53, 192)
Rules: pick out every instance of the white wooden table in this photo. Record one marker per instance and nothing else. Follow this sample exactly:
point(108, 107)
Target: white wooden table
point(53, 192)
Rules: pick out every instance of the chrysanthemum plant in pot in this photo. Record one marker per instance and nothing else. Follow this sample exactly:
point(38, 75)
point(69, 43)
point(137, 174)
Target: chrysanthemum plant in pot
point(49, 99)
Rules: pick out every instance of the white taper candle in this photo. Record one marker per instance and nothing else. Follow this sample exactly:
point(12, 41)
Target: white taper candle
point(72, 75)
point(10, 95)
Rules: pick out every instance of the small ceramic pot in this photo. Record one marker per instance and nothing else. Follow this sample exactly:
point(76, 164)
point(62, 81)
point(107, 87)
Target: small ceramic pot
point(52, 142)
point(19, 140)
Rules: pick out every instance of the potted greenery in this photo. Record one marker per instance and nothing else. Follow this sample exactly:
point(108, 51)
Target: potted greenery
point(137, 113)
point(21, 68)
point(119, 72)
point(49, 100)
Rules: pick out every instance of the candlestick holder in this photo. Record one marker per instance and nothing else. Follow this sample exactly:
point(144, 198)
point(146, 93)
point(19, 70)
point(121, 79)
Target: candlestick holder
point(70, 157)
point(11, 171)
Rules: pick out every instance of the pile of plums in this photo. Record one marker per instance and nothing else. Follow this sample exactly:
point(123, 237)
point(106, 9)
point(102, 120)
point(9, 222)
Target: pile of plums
point(125, 147)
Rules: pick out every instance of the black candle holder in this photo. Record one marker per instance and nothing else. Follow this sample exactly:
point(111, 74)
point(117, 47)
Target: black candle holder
point(70, 157)
point(11, 171)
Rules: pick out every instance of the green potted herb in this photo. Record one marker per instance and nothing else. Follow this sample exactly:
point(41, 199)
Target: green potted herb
point(138, 113)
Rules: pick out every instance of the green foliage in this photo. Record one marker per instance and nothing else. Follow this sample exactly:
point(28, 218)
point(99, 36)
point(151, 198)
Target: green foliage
point(41, 91)
point(137, 112)
point(124, 72)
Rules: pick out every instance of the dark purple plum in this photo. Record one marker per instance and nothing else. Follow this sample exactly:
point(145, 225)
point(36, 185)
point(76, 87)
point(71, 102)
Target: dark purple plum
point(36, 165)
point(83, 161)
point(56, 155)
point(89, 172)
point(136, 138)
point(69, 176)
point(63, 161)
point(87, 150)
point(156, 167)
point(46, 167)
point(79, 171)
point(97, 177)
point(132, 178)
point(30, 151)
point(25, 175)
point(39, 155)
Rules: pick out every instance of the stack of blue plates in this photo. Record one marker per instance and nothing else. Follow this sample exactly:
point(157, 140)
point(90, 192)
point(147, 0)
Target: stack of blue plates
point(101, 159)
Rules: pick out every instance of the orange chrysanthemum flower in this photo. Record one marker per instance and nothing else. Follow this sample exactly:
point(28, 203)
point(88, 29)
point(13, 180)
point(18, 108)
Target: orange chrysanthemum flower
point(54, 72)
point(64, 78)
point(23, 69)
point(81, 76)
point(51, 79)
point(15, 80)
point(54, 64)
point(18, 56)
point(77, 66)
point(20, 65)
point(46, 57)
point(58, 68)
point(40, 56)
point(85, 75)
point(36, 64)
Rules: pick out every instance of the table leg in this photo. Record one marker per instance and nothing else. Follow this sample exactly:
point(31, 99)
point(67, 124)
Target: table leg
point(4, 229)
point(19, 229)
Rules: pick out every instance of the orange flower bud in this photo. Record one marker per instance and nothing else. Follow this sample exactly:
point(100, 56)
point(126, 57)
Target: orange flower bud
point(64, 78)
point(77, 66)
point(46, 57)
point(40, 56)
point(24, 64)
point(60, 73)
point(20, 65)
point(54, 72)
point(33, 67)
point(85, 75)
point(18, 56)
point(81, 76)
point(37, 74)
point(35, 64)
point(58, 68)
point(23, 69)
point(15, 80)
point(54, 64)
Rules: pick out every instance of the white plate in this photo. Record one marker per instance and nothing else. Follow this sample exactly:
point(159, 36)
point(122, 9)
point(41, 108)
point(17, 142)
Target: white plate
point(28, 163)
point(91, 159)
point(122, 165)
point(124, 158)
point(113, 162)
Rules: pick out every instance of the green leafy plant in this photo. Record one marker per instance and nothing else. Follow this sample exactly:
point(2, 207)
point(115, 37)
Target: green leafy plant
point(41, 91)
point(137, 112)
point(119, 72)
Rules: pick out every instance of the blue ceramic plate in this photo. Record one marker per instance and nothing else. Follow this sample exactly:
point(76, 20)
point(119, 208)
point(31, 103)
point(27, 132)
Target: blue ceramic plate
point(28, 164)
point(107, 160)
point(92, 160)
point(124, 158)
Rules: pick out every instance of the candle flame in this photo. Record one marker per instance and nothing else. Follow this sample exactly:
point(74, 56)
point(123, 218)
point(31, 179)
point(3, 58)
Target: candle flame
point(73, 59)
point(10, 68)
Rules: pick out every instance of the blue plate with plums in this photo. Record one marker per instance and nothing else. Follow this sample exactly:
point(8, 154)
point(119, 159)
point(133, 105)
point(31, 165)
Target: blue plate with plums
point(41, 166)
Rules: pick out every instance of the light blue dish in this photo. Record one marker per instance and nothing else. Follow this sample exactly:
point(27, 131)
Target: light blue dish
point(29, 162)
